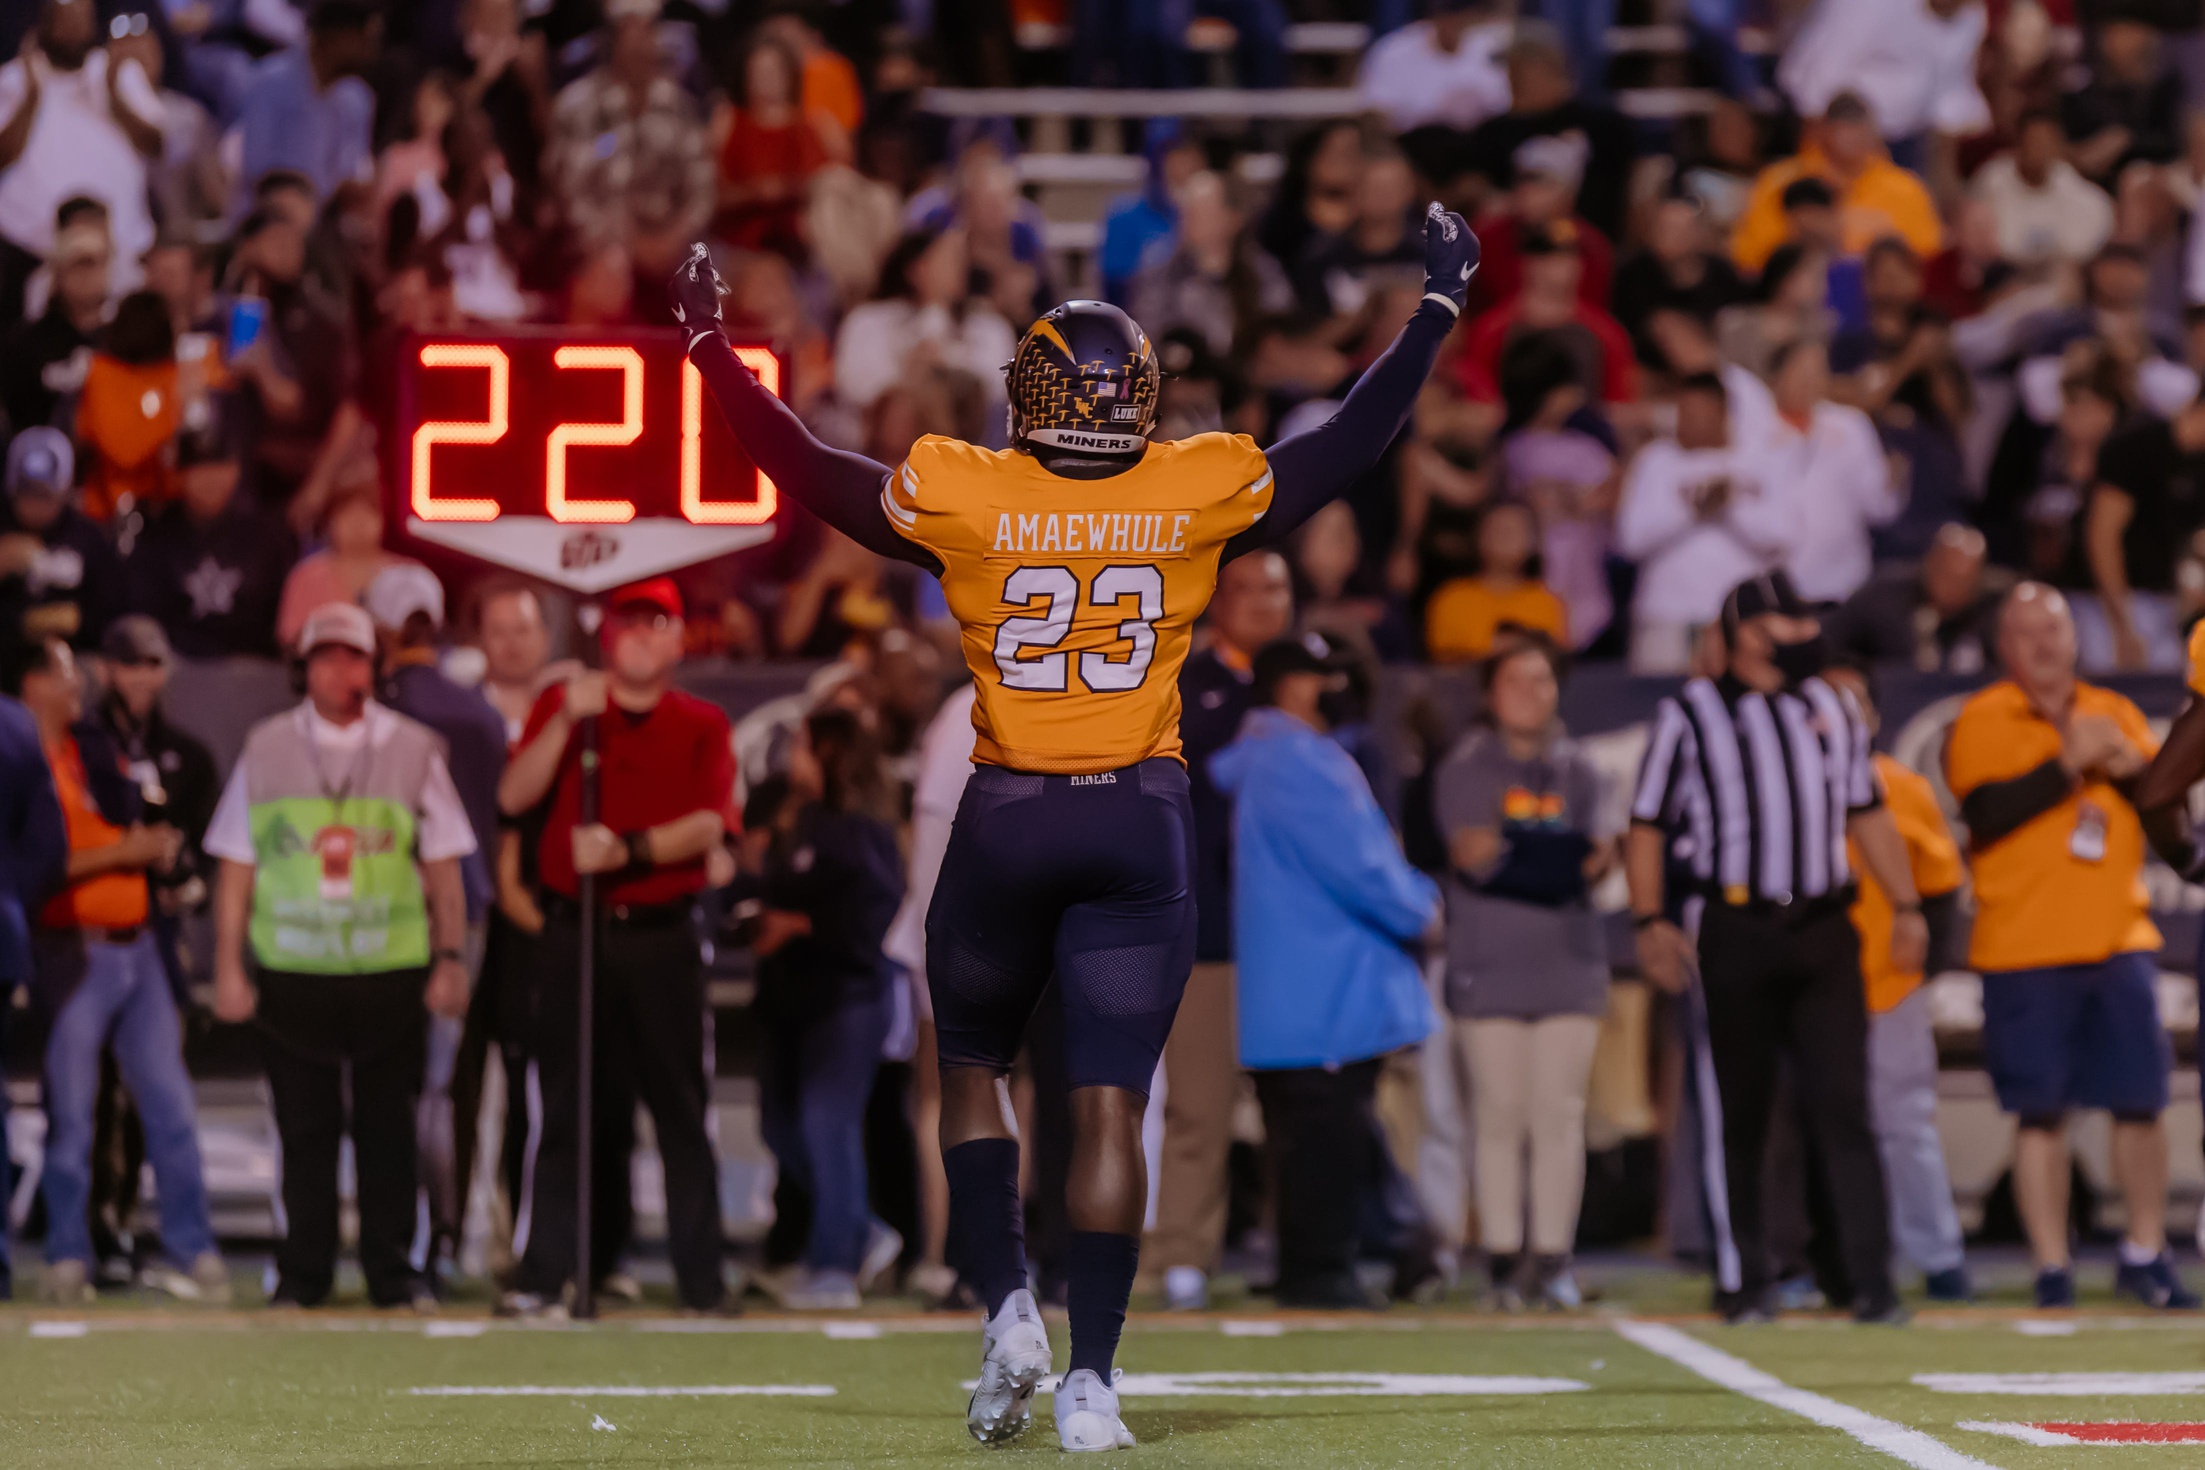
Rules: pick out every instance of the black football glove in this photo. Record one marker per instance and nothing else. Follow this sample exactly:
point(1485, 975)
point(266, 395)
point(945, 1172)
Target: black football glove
point(696, 291)
point(1450, 258)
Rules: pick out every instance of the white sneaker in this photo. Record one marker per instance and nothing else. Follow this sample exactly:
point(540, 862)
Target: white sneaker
point(822, 1291)
point(1087, 1414)
point(207, 1282)
point(883, 1248)
point(1186, 1289)
point(935, 1285)
point(1014, 1359)
point(68, 1283)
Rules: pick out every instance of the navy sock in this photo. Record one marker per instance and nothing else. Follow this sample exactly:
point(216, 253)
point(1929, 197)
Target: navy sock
point(987, 1223)
point(1099, 1274)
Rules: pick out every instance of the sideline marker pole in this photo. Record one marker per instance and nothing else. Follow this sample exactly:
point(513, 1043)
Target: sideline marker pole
point(585, 1276)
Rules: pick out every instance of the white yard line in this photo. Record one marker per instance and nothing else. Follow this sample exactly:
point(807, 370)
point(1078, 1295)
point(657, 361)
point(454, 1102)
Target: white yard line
point(2063, 1385)
point(627, 1391)
point(458, 1328)
point(2026, 1433)
point(1908, 1446)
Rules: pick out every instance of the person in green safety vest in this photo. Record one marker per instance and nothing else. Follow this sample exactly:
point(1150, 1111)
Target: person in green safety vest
point(339, 924)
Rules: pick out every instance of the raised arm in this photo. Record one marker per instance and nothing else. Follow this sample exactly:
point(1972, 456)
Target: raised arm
point(841, 488)
point(2162, 794)
point(1319, 465)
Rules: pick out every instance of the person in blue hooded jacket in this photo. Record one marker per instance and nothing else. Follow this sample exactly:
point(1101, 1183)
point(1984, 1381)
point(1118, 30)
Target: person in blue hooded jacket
point(1327, 919)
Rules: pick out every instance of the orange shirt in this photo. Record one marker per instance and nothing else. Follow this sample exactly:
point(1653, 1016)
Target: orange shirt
point(126, 416)
point(1936, 862)
point(830, 85)
point(111, 900)
point(1883, 199)
point(2038, 904)
point(1464, 615)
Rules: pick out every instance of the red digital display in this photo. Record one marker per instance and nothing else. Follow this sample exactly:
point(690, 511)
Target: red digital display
point(544, 432)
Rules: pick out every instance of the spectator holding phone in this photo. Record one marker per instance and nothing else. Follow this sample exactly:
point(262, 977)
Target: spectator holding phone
point(291, 352)
point(1527, 960)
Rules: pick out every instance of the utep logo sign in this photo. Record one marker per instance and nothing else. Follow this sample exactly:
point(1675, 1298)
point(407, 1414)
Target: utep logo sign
point(585, 549)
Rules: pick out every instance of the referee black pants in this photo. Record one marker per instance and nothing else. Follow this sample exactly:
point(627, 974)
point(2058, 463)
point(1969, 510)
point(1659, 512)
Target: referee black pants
point(650, 1044)
point(1779, 989)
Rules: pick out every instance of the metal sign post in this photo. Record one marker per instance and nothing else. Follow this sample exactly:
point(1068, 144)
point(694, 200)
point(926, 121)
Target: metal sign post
point(591, 617)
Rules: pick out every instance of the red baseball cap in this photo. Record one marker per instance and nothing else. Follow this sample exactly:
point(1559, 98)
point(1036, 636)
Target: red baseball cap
point(658, 592)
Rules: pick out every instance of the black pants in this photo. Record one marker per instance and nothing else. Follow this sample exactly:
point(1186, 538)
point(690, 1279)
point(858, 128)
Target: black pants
point(650, 1044)
point(1320, 1129)
point(345, 1052)
point(17, 266)
point(1792, 990)
point(496, 1016)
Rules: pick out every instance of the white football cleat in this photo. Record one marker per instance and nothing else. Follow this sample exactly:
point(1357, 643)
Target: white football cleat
point(1087, 1414)
point(1014, 1360)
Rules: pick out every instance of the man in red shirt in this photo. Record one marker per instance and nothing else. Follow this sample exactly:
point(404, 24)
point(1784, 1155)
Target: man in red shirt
point(666, 799)
point(1549, 301)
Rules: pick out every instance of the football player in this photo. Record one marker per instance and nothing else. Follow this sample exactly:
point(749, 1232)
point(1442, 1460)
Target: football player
point(1076, 563)
point(2163, 791)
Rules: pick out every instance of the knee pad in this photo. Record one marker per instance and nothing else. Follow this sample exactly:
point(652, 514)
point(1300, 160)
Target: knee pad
point(2120, 1116)
point(2043, 1122)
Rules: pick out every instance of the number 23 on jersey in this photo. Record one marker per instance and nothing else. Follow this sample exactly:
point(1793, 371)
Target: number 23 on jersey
point(1137, 588)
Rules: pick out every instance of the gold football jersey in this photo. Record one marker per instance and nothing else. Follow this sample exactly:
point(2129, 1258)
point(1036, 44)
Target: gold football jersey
point(1077, 598)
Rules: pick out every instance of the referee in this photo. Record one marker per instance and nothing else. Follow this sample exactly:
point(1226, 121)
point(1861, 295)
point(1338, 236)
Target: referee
point(1751, 784)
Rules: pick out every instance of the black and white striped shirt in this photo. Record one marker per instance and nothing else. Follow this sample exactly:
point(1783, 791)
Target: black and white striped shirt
point(1755, 789)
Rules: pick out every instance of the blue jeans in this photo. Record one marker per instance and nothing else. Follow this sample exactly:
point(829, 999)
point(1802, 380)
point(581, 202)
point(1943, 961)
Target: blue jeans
point(122, 1001)
point(813, 1082)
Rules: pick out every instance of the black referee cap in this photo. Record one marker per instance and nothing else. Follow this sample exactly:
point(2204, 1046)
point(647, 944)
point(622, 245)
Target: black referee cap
point(1771, 592)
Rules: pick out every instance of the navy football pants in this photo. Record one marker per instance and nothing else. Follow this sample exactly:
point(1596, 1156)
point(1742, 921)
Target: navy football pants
point(1088, 878)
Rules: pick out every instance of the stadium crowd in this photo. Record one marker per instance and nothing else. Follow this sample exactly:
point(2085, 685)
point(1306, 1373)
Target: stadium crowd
point(1912, 310)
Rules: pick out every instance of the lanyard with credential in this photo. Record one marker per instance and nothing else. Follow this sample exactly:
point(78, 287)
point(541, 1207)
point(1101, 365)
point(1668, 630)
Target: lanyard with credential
point(339, 793)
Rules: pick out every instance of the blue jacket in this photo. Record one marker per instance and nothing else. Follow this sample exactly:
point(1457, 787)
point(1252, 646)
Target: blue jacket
point(34, 845)
point(1325, 908)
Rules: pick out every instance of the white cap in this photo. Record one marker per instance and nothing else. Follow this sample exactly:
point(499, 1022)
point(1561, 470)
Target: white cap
point(399, 591)
point(339, 624)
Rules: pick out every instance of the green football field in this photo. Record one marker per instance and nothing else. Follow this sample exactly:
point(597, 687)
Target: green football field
point(134, 1383)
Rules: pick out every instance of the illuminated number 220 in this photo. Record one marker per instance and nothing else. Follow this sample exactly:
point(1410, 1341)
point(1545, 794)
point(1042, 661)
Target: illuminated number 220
point(492, 427)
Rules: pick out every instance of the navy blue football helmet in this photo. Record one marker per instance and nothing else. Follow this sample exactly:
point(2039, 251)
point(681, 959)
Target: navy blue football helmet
point(1084, 378)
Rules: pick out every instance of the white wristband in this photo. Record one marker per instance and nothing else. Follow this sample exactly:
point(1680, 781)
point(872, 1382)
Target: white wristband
point(1446, 301)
